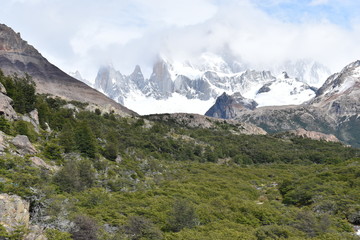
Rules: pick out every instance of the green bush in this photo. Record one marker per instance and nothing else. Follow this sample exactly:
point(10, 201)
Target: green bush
point(54, 234)
point(182, 215)
point(25, 128)
point(139, 227)
point(273, 232)
point(75, 176)
point(5, 125)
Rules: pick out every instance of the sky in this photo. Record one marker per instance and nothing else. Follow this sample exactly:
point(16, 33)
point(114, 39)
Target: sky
point(86, 34)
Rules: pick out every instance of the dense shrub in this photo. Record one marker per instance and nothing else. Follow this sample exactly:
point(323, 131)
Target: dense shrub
point(21, 90)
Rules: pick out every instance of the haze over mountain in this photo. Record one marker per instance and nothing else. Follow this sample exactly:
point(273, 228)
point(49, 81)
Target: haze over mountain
point(193, 86)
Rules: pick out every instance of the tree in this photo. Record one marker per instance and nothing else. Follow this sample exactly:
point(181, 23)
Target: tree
point(52, 151)
point(75, 176)
point(67, 138)
point(85, 139)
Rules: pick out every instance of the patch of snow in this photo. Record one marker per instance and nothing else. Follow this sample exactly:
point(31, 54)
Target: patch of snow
point(285, 92)
point(346, 85)
point(175, 104)
point(185, 70)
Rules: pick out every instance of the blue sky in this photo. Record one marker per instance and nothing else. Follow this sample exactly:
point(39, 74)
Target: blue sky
point(84, 34)
point(340, 12)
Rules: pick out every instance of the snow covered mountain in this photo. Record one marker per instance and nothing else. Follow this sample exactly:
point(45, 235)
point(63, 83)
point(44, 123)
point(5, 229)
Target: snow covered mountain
point(334, 110)
point(193, 86)
point(283, 91)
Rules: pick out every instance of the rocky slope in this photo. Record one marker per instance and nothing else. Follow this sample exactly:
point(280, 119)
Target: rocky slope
point(314, 135)
point(17, 56)
point(200, 121)
point(334, 110)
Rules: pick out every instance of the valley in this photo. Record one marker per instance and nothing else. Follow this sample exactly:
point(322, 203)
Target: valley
point(75, 164)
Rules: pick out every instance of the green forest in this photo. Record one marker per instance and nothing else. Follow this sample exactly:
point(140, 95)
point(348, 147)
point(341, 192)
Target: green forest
point(135, 178)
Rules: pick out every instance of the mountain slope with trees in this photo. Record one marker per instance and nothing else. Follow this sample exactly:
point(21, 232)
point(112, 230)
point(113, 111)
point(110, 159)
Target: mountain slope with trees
point(104, 176)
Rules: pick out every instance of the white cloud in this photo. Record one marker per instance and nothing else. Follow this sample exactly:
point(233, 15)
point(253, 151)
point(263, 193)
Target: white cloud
point(174, 12)
point(85, 34)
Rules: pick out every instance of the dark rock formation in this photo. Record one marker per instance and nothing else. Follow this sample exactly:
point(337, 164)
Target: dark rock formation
point(227, 106)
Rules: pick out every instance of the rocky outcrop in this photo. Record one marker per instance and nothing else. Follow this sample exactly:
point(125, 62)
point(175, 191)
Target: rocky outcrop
point(33, 118)
point(17, 56)
point(200, 121)
point(35, 233)
point(3, 89)
point(6, 109)
point(23, 145)
point(42, 164)
point(3, 142)
point(314, 135)
point(14, 212)
point(227, 106)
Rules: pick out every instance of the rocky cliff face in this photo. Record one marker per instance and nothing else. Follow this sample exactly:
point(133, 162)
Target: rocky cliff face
point(17, 56)
point(334, 110)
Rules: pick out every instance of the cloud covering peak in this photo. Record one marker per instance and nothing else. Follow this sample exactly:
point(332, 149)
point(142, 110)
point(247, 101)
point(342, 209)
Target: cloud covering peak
point(82, 35)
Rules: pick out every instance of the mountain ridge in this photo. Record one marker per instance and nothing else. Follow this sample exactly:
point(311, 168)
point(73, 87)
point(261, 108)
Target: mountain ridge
point(334, 110)
point(18, 57)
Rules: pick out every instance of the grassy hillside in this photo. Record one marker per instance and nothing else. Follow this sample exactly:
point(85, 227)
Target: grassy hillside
point(131, 178)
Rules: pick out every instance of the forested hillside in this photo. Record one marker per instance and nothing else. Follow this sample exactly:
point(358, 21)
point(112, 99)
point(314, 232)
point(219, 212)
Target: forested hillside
point(103, 176)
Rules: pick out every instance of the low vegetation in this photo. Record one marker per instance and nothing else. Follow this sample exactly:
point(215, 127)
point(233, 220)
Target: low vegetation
point(131, 178)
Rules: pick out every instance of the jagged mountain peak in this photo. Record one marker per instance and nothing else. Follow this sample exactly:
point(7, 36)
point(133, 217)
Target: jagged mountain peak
point(352, 65)
point(207, 76)
point(347, 80)
point(137, 70)
point(137, 74)
point(10, 41)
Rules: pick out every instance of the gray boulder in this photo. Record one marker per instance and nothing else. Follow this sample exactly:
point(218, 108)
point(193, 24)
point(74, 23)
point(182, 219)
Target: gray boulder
point(23, 145)
point(5, 107)
point(38, 162)
point(2, 89)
